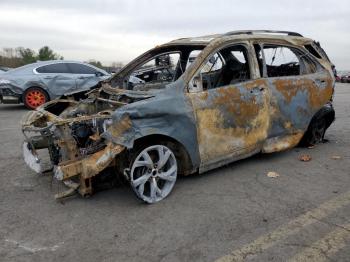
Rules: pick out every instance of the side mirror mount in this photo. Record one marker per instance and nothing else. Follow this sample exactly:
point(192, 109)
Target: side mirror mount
point(98, 74)
point(195, 84)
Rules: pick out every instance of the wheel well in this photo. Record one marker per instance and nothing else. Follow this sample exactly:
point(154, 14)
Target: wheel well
point(185, 163)
point(327, 113)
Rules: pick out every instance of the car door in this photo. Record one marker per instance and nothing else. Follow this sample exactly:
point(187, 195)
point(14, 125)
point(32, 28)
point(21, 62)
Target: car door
point(56, 78)
point(232, 109)
point(299, 88)
point(85, 76)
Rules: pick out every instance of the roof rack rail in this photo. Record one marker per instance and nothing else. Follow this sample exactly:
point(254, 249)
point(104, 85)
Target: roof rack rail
point(250, 32)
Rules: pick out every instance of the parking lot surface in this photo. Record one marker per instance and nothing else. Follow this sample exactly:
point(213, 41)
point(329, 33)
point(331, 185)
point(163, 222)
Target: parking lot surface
point(234, 213)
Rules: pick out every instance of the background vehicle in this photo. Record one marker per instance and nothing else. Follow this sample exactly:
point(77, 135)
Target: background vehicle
point(221, 98)
point(345, 77)
point(38, 83)
point(4, 69)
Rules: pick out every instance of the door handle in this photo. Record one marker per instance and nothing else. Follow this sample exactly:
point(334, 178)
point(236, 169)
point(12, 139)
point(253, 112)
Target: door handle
point(320, 82)
point(257, 89)
point(48, 77)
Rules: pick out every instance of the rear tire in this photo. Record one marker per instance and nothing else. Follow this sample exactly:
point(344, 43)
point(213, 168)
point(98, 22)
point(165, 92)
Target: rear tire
point(34, 97)
point(318, 126)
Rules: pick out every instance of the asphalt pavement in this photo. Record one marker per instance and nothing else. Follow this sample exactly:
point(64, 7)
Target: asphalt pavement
point(234, 213)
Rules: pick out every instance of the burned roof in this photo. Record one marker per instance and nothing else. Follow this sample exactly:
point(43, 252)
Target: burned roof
point(247, 34)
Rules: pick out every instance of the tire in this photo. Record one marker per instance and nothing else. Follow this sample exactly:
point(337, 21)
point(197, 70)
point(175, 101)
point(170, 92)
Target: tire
point(153, 172)
point(318, 126)
point(34, 97)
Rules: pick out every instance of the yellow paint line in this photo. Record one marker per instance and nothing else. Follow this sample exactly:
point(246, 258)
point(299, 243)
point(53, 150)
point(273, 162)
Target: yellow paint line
point(292, 227)
point(324, 248)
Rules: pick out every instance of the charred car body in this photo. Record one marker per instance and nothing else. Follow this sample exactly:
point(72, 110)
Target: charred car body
point(245, 92)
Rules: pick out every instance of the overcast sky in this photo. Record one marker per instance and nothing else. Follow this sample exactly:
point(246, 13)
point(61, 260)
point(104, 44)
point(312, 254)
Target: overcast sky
point(109, 31)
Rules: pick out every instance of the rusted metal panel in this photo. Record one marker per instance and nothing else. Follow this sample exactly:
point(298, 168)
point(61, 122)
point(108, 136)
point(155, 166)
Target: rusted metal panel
point(231, 119)
point(89, 166)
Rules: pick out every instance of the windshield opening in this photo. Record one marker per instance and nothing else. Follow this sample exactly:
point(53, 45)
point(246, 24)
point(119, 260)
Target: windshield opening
point(157, 68)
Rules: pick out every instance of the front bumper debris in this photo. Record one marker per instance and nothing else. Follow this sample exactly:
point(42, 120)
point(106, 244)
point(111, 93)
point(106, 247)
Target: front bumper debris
point(73, 135)
point(89, 166)
point(31, 158)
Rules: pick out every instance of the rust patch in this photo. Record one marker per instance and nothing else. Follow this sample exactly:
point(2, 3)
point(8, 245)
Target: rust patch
point(203, 95)
point(119, 127)
point(287, 125)
point(255, 83)
point(241, 110)
point(91, 165)
point(216, 141)
point(317, 96)
point(100, 160)
point(282, 143)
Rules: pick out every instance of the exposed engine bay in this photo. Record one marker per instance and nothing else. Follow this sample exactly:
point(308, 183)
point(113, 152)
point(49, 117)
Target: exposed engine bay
point(72, 133)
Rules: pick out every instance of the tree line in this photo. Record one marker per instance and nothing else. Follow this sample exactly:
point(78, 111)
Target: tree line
point(15, 57)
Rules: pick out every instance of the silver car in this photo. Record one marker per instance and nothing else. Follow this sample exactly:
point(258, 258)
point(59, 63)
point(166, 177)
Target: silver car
point(38, 83)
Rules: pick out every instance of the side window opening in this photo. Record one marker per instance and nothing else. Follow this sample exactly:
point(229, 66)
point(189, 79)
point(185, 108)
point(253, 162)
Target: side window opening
point(313, 51)
point(192, 56)
point(228, 66)
point(307, 65)
point(159, 70)
point(281, 61)
point(287, 61)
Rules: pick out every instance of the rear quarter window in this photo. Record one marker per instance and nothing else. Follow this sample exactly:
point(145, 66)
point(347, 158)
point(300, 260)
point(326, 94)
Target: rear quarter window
point(81, 69)
point(287, 61)
point(312, 51)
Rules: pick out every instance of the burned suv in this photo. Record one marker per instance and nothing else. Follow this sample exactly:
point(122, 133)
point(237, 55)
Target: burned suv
point(210, 100)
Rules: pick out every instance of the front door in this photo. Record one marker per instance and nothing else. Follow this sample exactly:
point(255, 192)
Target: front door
point(231, 109)
point(57, 78)
point(85, 76)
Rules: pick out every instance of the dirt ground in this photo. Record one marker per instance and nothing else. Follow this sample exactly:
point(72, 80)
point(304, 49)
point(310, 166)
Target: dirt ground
point(233, 213)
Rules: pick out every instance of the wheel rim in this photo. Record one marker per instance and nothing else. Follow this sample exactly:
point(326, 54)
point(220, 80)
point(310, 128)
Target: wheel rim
point(153, 173)
point(35, 98)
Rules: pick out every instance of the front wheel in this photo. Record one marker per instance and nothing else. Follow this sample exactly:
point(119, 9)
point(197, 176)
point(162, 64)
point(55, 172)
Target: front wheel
point(153, 173)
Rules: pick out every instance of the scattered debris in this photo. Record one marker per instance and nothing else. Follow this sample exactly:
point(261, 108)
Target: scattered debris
point(305, 158)
point(273, 174)
point(336, 157)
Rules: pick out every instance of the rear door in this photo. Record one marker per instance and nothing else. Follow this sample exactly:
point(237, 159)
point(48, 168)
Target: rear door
point(85, 76)
point(57, 78)
point(231, 107)
point(299, 88)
